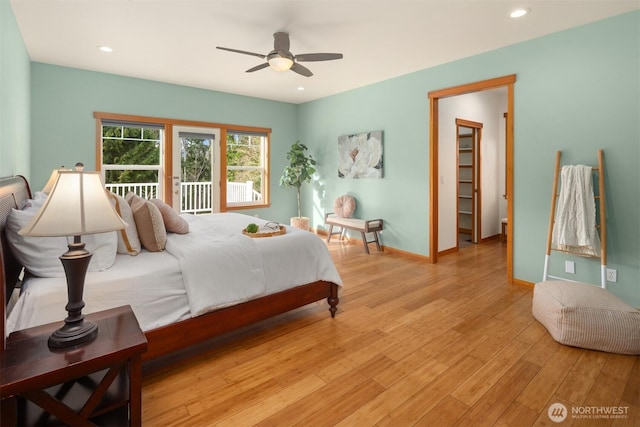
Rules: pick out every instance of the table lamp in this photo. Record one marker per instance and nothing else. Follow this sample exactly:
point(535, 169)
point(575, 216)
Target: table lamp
point(77, 205)
point(52, 179)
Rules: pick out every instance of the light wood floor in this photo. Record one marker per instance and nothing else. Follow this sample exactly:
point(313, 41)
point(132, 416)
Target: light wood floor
point(412, 344)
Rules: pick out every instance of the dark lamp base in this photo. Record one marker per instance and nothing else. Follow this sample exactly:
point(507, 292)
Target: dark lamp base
point(73, 334)
point(75, 330)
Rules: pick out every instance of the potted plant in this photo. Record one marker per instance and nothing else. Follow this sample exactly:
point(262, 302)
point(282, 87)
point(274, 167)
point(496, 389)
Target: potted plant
point(299, 171)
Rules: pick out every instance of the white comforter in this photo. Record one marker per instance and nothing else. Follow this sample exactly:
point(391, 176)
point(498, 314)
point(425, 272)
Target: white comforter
point(220, 266)
point(213, 266)
point(292, 259)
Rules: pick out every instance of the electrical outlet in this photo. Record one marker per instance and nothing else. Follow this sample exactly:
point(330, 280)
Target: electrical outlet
point(612, 275)
point(570, 267)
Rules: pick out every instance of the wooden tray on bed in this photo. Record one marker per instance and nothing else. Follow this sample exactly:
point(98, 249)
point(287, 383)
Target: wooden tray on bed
point(265, 233)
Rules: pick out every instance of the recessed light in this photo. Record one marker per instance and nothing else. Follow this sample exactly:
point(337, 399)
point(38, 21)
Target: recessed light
point(300, 88)
point(106, 49)
point(519, 13)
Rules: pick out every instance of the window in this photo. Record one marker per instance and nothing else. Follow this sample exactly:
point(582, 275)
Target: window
point(247, 174)
point(149, 156)
point(131, 158)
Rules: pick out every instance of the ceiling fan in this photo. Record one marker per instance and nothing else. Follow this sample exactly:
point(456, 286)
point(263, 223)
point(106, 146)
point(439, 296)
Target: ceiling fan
point(281, 59)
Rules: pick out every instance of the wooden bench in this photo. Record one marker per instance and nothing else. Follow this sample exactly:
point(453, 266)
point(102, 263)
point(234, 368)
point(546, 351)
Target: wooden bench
point(362, 225)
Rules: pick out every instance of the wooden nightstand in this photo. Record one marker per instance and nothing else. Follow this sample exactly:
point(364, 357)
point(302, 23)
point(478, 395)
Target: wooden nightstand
point(99, 381)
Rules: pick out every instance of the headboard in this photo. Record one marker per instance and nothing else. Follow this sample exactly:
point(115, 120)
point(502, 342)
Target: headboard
point(13, 192)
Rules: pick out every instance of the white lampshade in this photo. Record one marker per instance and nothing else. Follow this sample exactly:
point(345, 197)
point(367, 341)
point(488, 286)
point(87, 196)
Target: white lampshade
point(279, 63)
point(77, 205)
point(52, 179)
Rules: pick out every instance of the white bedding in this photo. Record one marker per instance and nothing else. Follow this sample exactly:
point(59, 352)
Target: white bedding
point(150, 282)
point(154, 285)
point(220, 266)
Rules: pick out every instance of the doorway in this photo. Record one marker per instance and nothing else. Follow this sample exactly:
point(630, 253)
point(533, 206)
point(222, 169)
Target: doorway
point(469, 186)
point(195, 176)
point(434, 98)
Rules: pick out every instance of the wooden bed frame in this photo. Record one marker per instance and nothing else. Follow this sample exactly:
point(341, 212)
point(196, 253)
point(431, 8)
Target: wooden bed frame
point(168, 339)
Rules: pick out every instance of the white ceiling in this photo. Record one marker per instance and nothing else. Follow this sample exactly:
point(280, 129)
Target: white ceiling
point(174, 40)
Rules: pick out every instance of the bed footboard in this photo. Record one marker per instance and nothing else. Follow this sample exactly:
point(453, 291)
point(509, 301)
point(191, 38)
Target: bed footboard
point(177, 336)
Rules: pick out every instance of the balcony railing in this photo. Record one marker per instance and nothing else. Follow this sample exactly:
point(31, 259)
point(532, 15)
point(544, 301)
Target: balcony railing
point(146, 190)
point(195, 196)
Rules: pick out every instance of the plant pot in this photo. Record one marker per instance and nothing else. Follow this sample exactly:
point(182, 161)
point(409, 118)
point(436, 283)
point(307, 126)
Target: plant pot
point(301, 222)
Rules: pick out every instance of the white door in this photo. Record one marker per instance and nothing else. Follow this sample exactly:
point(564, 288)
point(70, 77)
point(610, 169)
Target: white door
point(196, 169)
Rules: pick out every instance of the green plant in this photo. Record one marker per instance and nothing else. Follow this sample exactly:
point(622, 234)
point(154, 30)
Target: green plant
point(299, 170)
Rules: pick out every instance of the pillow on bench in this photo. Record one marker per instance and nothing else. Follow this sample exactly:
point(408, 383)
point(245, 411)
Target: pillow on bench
point(344, 206)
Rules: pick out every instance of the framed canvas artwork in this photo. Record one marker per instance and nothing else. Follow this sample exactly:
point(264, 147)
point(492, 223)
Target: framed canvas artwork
point(360, 155)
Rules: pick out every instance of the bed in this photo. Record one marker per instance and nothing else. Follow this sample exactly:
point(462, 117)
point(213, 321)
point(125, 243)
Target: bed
point(164, 288)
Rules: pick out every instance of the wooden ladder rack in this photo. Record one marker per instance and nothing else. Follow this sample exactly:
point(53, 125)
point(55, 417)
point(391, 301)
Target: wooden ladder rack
point(601, 224)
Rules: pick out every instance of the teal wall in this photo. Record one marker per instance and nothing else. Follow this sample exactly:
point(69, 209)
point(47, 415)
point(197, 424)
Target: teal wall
point(14, 96)
point(63, 131)
point(576, 91)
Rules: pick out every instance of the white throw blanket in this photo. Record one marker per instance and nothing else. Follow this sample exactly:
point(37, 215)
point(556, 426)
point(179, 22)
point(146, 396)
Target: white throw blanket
point(220, 266)
point(574, 229)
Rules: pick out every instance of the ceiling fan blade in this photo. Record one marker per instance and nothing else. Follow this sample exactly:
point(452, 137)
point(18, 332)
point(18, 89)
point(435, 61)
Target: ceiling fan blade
point(257, 67)
point(281, 42)
point(302, 70)
point(259, 55)
point(307, 57)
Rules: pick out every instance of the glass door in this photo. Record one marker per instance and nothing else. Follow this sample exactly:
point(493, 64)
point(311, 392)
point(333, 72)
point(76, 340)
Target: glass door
point(196, 169)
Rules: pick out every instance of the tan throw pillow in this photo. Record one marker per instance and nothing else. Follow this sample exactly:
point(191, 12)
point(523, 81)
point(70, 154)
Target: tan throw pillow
point(128, 240)
point(172, 221)
point(130, 196)
point(149, 224)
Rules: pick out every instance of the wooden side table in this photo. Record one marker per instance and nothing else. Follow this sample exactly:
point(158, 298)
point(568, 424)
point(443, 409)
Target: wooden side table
point(94, 383)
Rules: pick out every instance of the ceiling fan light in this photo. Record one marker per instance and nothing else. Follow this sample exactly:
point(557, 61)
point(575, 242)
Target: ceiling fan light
point(279, 63)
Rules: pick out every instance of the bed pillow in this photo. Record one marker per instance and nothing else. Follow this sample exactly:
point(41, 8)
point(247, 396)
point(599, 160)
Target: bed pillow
point(149, 224)
point(172, 221)
point(129, 196)
point(103, 246)
point(40, 255)
point(38, 200)
point(128, 240)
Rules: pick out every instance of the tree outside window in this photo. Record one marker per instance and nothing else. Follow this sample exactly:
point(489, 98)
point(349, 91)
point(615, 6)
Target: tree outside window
point(246, 154)
point(131, 157)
